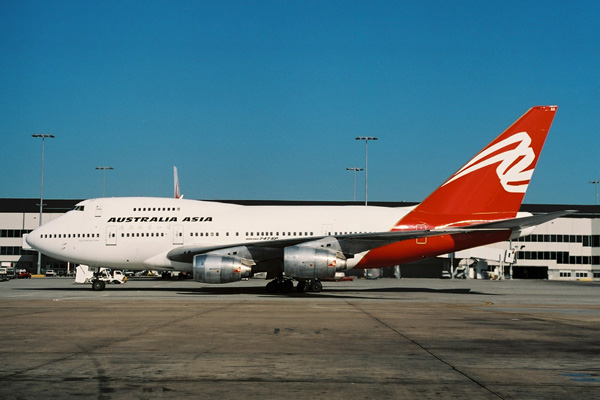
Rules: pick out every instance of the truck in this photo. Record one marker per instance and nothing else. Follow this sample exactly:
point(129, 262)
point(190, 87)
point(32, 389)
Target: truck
point(98, 277)
point(3, 274)
point(7, 270)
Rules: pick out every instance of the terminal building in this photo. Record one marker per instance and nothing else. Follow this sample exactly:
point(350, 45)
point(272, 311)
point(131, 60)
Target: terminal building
point(567, 248)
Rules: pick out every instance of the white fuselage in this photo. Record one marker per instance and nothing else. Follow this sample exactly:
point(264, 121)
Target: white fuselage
point(137, 233)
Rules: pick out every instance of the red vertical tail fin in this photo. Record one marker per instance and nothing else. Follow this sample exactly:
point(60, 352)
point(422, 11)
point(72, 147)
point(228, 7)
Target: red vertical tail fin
point(491, 186)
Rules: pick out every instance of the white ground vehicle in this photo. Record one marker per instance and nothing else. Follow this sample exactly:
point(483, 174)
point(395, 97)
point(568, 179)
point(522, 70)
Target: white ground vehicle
point(98, 277)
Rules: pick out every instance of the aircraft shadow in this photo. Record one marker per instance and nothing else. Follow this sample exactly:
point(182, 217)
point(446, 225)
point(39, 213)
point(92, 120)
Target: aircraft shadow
point(328, 292)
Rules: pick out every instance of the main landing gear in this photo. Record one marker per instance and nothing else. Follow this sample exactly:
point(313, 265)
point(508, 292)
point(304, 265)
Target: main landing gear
point(285, 285)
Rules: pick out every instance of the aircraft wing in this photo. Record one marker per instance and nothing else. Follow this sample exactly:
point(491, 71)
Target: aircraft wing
point(187, 253)
point(351, 244)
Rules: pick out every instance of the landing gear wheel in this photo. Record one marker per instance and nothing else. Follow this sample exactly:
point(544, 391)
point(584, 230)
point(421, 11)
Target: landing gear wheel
point(301, 287)
point(316, 286)
point(273, 286)
point(286, 286)
point(98, 285)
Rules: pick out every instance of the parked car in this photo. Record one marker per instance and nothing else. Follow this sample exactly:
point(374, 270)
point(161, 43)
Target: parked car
point(24, 275)
point(50, 272)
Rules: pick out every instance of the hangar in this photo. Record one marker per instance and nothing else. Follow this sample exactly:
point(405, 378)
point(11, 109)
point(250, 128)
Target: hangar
point(564, 249)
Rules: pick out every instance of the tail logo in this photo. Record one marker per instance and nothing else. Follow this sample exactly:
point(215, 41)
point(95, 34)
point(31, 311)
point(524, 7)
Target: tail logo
point(513, 171)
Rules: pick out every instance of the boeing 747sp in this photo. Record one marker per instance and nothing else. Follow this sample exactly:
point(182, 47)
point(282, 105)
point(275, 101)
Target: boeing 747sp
point(221, 243)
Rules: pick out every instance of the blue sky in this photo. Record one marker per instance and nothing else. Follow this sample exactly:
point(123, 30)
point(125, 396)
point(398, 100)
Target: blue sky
point(263, 99)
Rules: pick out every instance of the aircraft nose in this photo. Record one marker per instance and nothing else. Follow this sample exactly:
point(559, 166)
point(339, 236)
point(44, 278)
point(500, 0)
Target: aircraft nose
point(33, 239)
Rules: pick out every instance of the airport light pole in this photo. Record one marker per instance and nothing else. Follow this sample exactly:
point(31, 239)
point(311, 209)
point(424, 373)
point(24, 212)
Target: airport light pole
point(366, 139)
point(104, 177)
point(43, 136)
point(355, 169)
point(596, 182)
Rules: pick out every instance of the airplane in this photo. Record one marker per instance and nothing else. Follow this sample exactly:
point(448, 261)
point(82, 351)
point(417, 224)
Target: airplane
point(220, 242)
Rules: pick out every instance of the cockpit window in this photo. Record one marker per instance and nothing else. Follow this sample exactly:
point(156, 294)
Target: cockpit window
point(78, 208)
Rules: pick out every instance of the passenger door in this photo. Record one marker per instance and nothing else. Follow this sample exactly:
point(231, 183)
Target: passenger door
point(111, 235)
point(178, 234)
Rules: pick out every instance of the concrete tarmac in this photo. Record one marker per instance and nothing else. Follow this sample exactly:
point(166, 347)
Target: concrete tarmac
point(380, 339)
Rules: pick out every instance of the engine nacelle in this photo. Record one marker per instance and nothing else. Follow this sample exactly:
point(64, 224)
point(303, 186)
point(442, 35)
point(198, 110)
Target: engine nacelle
point(210, 268)
point(312, 262)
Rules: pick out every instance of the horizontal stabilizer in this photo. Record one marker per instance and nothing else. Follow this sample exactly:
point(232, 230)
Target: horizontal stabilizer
point(520, 223)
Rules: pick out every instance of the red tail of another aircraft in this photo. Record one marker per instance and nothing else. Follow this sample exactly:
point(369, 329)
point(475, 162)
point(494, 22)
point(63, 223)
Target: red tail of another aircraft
point(491, 186)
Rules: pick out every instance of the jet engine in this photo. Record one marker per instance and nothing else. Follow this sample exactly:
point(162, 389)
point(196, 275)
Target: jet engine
point(210, 268)
point(312, 262)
